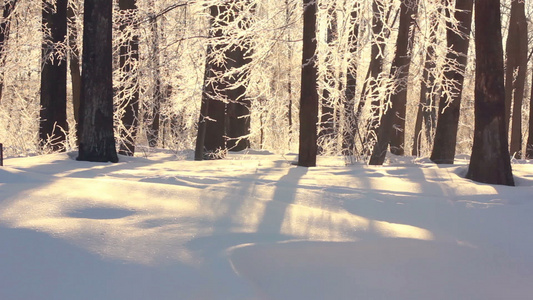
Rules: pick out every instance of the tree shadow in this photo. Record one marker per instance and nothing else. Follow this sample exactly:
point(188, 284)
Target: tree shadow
point(284, 194)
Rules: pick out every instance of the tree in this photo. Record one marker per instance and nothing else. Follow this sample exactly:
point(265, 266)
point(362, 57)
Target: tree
point(350, 127)
point(427, 113)
point(238, 107)
point(529, 144)
point(515, 73)
point(490, 162)
point(153, 114)
point(97, 142)
point(210, 140)
point(53, 114)
point(392, 125)
point(74, 61)
point(327, 130)
point(379, 33)
point(307, 150)
point(129, 88)
point(5, 28)
point(224, 114)
point(450, 101)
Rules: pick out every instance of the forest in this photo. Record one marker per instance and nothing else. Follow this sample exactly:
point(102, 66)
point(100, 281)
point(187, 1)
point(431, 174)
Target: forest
point(266, 150)
point(430, 78)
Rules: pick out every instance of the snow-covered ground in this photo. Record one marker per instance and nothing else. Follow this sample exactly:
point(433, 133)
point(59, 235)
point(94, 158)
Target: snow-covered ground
point(253, 226)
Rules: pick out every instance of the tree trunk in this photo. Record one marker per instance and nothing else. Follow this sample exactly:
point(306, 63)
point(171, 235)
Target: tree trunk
point(5, 28)
point(350, 122)
point(74, 60)
point(53, 114)
point(97, 142)
point(211, 137)
point(450, 103)
point(392, 125)
point(309, 94)
point(225, 113)
point(490, 161)
point(375, 69)
point(427, 113)
point(515, 74)
point(238, 107)
point(204, 110)
point(129, 89)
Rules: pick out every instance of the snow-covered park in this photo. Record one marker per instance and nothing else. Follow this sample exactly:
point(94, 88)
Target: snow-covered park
point(255, 227)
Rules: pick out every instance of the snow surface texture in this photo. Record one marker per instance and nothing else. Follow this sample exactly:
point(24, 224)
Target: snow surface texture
point(254, 226)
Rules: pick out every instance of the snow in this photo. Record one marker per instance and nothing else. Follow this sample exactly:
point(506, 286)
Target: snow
point(254, 226)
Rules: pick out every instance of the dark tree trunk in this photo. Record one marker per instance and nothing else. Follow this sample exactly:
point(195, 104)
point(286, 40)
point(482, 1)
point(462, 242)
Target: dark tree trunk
point(74, 59)
point(225, 112)
point(238, 107)
point(5, 28)
point(400, 72)
point(449, 105)
point(392, 125)
point(238, 114)
point(204, 119)
point(53, 114)
point(515, 73)
point(129, 90)
point(490, 161)
point(427, 114)
point(309, 94)
point(97, 142)
point(375, 69)
point(350, 122)
point(211, 137)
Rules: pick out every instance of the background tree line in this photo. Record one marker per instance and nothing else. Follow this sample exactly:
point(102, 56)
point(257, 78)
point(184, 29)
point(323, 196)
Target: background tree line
point(335, 77)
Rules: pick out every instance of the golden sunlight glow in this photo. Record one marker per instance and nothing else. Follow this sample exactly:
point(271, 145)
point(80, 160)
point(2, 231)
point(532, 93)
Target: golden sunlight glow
point(317, 224)
point(158, 220)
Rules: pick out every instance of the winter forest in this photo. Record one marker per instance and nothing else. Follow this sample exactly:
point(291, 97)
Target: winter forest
point(336, 77)
point(266, 149)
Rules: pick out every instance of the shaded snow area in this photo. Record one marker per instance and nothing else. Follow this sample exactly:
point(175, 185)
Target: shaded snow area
point(255, 227)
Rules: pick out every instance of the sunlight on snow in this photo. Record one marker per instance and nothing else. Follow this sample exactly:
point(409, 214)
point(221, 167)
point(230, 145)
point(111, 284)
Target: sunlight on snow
point(159, 220)
point(316, 224)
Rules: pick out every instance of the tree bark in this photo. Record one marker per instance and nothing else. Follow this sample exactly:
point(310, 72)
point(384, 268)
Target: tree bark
point(97, 142)
point(375, 69)
point(490, 162)
point(129, 90)
point(307, 150)
point(225, 113)
point(53, 113)
point(515, 74)
point(211, 137)
point(392, 127)
point(238, 107)
point(450, 103)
